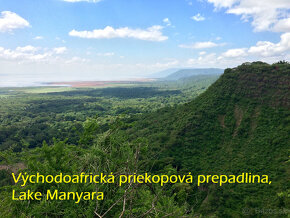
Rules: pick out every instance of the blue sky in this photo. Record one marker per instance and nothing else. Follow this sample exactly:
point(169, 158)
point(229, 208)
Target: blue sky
point(52, 40)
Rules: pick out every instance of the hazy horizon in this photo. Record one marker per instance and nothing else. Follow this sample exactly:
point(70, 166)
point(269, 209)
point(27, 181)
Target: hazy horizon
point(88, 40)
point(30, 80)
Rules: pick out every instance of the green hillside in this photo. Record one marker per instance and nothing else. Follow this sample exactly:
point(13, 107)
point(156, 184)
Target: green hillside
point(240, 124)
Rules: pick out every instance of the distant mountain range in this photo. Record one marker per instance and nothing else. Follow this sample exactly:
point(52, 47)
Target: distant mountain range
point(177, 73)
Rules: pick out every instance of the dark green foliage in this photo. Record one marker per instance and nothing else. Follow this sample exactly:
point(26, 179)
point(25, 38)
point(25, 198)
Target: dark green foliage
point(239, 124)
point(108, 152)
point(124, 93)
point(33, 118)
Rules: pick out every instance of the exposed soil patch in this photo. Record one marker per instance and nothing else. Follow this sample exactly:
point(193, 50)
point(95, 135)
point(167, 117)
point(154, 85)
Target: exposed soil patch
point(254, 119)
point(239, 117)
point(221, 118)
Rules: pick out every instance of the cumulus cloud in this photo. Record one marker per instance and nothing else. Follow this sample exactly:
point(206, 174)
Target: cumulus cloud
point(267, 49)
point(208, 60)
point(30, 53)
point(22, 54)
point(282, 25)
point(28, 48)
point(238, 52)
point(198, 17)
point(90, 1)
point(10, 21)
point(215, 60)
point(263, 50)
point(60, 50)
point(201, 45)
point(223, 3)
point(150, 34)
point(266, 15)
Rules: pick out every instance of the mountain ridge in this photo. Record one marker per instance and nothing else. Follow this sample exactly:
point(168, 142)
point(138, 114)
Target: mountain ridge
point(185, 73)
point(179, 73)
point(239, 124)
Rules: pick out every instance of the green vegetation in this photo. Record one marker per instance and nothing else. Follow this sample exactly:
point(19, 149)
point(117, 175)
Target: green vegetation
point(239, 124)
point(28, 116)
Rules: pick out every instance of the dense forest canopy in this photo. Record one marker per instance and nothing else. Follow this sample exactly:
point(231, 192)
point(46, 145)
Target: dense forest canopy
point(239, 124)
point(31, 115)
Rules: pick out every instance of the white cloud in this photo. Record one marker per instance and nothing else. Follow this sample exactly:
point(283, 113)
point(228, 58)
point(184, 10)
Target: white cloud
point(157, 66)
point(167, 21)
point(26, 53)
point(60, 50)
point(28, 49)
point(214, 60)
point(207, 60)
point(266, 15)
point(30, 53)
point(107, 54)
point(165, 65)
point(263, 50)
point(223, 3)
point(90, 1)
point(267, 49)
point(78, 60)
point(150, 34)
point(38, 37)
point(202, 53)
point(282, 25)
point(198, 17)
point(238, 52)
point(10, 21)
point(201, 45)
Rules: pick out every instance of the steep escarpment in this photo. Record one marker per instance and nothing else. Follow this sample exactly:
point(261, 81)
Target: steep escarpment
point(240, 124)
